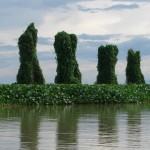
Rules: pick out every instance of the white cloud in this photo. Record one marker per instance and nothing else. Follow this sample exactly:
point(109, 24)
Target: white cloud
point(135, 22)
point(139, 1)
point(76, 21)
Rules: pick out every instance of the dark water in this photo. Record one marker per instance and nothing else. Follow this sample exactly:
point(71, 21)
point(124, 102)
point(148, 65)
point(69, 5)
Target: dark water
point(85, 127)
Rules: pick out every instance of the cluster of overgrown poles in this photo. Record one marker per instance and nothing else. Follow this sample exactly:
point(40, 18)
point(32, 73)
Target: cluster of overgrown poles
point(68, 72)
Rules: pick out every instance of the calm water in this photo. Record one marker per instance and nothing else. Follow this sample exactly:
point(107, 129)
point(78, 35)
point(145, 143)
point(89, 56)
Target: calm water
point(86, 127)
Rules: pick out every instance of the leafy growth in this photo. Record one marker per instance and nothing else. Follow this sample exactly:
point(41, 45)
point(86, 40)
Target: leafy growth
point(107, 59)
point(67, 67)
point(29, 71)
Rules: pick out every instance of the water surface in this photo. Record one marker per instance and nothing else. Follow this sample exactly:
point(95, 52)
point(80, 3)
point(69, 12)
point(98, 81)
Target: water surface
point(83, 127)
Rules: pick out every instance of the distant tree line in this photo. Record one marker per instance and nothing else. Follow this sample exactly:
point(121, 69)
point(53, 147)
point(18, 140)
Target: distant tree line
point(68, 72)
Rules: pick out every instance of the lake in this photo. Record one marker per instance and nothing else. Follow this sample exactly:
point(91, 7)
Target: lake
point(75, 127)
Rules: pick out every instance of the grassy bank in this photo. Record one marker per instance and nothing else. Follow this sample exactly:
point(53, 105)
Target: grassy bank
point(72, 94)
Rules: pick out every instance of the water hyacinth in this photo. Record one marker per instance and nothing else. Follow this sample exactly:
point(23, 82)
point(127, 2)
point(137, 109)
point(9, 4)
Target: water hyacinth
point(72, 94)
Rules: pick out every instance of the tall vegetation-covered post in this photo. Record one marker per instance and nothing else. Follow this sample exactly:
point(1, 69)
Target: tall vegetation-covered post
point(29, 71)
point(67, 67)
point(133, 70)
point(26, 55)
point(107, 59)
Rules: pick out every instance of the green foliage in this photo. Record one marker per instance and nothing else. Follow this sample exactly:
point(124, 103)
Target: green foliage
point(133, 70)
point(34, 94)
point(67, 67)
point(107, 59)
point(29, 71)
point(25, 71)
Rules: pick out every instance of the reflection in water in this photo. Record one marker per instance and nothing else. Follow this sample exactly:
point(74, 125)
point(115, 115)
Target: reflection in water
point(108, 126)
point(67, 128)
point(29, 128)
point(9, 129)
point(134, 126)
point(88, 124)
point(75, 127)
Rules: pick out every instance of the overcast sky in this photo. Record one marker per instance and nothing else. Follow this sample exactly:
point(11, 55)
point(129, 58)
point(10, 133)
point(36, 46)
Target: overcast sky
point(125, 23)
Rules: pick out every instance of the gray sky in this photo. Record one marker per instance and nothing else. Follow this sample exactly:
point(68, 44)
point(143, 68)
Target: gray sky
point(125, 23)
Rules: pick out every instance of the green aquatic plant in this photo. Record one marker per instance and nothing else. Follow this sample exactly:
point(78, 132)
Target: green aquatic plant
point(34, 94)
